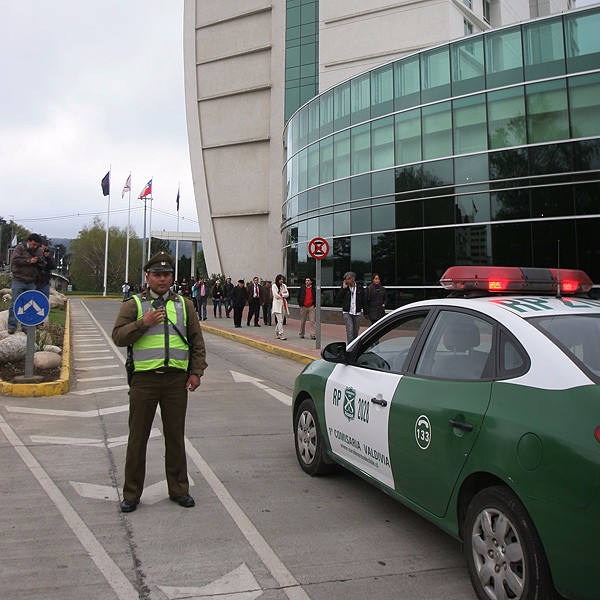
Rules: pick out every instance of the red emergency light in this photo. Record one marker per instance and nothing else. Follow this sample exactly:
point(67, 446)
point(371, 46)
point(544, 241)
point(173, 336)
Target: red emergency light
point(524, 280)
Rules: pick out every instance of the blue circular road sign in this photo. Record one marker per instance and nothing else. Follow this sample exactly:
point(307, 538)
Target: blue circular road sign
point(31, 307)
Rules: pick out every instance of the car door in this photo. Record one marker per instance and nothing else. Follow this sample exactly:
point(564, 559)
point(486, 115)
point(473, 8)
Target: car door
point(439, 406)
point(358, 396)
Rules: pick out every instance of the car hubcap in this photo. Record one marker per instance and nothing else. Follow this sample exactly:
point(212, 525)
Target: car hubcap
point(498, 556)
point(307, 437)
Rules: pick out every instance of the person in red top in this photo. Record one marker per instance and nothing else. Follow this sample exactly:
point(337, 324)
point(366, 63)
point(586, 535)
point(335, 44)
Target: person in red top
point(307, 300)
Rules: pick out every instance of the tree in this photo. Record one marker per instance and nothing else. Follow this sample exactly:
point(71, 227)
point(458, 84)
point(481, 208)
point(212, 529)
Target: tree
point(87, 258)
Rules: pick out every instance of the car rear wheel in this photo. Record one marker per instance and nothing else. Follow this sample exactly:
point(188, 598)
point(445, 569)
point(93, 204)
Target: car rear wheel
point(504, 554)
point(308, 439)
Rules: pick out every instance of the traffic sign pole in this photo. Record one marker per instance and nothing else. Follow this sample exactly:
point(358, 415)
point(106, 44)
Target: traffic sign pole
point(318, 248)
point(30, 351)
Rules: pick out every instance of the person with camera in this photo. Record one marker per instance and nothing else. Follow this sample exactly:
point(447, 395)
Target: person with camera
point(46, 264)
point(168, 359)
point(25, 271)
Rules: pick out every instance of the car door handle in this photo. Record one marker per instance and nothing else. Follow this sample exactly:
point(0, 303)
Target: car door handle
point(379, 401)
point(460, 425)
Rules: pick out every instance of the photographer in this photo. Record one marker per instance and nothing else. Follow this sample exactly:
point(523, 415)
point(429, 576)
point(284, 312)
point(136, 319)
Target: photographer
point(26, 260)
point(46, 264)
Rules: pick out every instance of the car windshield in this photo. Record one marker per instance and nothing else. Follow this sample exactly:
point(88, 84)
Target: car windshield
point(577, 335)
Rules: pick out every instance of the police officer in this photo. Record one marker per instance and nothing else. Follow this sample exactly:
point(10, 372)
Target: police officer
point(169, 358)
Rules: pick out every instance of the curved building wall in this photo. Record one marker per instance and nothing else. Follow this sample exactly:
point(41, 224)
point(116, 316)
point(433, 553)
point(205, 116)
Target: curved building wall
point(482, 151)
point(233, 52)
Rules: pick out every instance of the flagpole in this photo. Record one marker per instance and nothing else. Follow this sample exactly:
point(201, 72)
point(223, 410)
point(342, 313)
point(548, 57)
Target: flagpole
point(177, 240)
point(106, 240)
point(144, 243)
point(150, 229)
point(128, 226)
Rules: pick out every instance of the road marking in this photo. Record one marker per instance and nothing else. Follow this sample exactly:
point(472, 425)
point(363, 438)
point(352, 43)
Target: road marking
point(98, 367)
point(94, 358)
point(54, 412)
point(239, 584)
point(113, 575)
point(157, 492)
point(104, 378)
point(114, 388)
point(278, 570)
point(94, 443)
point(241, 378)
point(91, 351)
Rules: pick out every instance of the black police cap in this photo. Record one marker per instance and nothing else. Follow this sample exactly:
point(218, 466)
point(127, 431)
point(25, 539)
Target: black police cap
point(161, 262)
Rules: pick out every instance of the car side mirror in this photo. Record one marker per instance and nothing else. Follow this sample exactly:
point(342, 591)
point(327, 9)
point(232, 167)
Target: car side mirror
point(335, 352)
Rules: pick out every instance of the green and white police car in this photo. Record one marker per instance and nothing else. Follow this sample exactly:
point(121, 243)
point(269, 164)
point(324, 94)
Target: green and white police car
point(481, 412)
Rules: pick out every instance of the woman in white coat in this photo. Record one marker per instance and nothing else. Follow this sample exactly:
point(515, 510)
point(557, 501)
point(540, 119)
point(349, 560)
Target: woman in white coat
point(280, 296)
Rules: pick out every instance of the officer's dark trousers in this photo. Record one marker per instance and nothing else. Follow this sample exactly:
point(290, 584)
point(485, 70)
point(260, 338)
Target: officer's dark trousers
point(147, 390)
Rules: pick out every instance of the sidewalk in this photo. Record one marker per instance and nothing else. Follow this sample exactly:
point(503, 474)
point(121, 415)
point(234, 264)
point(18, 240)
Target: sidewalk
point(263, 337)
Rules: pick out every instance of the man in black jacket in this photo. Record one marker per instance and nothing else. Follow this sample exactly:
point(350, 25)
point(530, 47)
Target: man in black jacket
point(354, 301)
point(239, 297)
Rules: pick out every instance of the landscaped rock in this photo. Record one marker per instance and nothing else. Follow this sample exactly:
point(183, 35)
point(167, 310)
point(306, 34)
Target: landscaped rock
point(51, 348)
point(3, 320)
point(13, 348)
point(46, 360)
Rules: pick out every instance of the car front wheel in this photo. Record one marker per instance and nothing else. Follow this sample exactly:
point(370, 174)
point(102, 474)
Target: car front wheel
point(309, 441)
point(504, 554)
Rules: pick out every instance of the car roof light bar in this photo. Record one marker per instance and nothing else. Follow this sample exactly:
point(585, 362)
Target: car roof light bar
point(524, 280)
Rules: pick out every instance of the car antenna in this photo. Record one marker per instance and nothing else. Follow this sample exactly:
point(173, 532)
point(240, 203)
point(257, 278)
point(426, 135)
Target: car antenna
point(558, 270)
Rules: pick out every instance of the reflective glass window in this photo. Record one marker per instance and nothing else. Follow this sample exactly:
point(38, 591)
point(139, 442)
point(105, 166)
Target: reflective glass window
point(506, 118)
point(341, 223)
point(510, 204)
point(503, 57)
point(551, 201)
point(360, 187)
point(407, 83)
point(341, 191)
point(471, 169)
point(384, 216)
point(550, 159)
point(467, 66)
point(326, 226)
point(473, 208)
point(341, 151)
point(473, 245)
point(544, 236)
point(383, 182)
point(383, 257)
point(313, 120)
point(360, 98)
point(409, 258)
point(470, 124)
point(326, 159)
point(341, 258)
point(313, 165)
point(361, 220)
point(439, 253)
point(382, 143)
point(326, 113)
point(341, 106)
point(438, 173)
point(409, 178)
point(547, 115)
point(302, 170)
point(584, 105)
point(435, 74)
point(409, 214)
point(582, 40)
point(586, 155)
point(360, 256)
point(543, 48)
point(408, 136)
point(508, 164)
point(312, 229)
point(302, 117)
point(438, 211)
point(360, 149)
point(382, 91)
point(437, 130)
point(312, 198)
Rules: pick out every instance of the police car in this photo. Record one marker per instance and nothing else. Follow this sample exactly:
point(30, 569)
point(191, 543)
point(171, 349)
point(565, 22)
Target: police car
point(481, 412)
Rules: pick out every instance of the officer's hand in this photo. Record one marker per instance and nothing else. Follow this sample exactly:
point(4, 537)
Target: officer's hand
point(33, 259)
point(192, 383)
point(153, 317)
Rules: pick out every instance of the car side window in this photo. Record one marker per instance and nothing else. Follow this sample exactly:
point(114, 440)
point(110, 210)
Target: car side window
point(459, 346)
point(390, 350)
point(513, 360)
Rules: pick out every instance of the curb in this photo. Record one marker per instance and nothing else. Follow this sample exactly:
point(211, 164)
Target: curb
point(49, 388)
point(265, 346)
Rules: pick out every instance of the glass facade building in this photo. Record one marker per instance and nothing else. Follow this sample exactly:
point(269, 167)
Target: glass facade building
point(481, 151)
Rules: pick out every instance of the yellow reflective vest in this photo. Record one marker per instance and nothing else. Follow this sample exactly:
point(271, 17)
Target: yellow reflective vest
point(161, 345)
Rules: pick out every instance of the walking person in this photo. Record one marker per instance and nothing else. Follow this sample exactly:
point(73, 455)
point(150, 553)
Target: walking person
point(280, 308)
point(239, 297)
point(376, 299)
point(217, 297)
point(307, 300)
point(354, 301)
point(254, 293)
point(201, 298)
point(227, 289)
point(267, 302)
point(169, 358)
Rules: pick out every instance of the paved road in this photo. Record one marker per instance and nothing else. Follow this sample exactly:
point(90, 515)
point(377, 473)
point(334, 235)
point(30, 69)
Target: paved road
point(261, 528)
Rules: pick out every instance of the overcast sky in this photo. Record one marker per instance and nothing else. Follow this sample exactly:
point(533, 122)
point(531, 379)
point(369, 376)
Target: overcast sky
point(89, 85)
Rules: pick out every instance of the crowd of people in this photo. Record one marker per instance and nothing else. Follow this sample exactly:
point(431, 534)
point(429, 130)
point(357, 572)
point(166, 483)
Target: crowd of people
point(270, 300)
point(31, 269)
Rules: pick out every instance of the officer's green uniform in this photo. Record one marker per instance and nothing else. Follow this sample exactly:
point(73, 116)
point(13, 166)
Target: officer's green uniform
point(163, 363)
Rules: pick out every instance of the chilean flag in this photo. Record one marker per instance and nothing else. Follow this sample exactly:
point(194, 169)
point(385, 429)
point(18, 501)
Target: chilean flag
point(147, 191)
